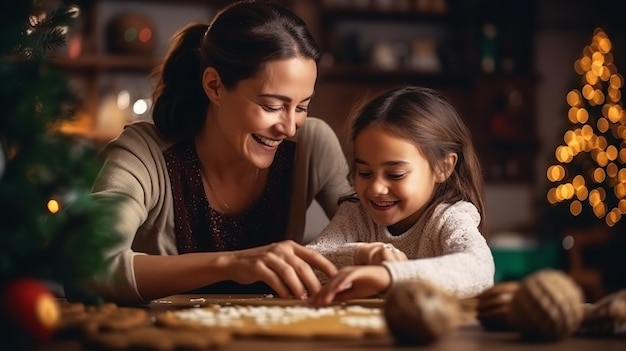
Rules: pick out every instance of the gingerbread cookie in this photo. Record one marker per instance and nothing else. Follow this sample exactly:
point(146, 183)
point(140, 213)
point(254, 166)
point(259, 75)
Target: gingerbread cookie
point(81, 319)
point(607, 317)
point(296, 321)
point(150, 337)
point(494, 305)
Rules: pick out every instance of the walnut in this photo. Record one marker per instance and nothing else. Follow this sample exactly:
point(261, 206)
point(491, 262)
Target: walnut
point(420, 313)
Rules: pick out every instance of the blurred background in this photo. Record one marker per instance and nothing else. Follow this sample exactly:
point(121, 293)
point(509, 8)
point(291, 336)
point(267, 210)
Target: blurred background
point(509, 66)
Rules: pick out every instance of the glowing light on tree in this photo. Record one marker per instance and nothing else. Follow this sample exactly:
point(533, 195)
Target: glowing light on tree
point(591, 160)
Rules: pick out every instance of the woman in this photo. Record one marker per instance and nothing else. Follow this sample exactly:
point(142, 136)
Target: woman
point(216, 190)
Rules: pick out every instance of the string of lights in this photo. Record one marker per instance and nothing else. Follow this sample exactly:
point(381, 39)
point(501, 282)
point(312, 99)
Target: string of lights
point(591, 161)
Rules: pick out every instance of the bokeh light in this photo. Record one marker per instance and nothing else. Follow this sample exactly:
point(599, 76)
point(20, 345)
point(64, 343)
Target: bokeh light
point(591, 163)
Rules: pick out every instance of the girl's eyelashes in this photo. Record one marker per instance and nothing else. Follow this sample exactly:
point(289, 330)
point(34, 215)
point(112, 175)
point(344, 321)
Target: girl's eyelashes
point(363, 174)
point(397, 176)
point(392, 176)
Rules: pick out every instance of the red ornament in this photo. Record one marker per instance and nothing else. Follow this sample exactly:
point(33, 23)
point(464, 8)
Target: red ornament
point(32, 307)
point(131, 34)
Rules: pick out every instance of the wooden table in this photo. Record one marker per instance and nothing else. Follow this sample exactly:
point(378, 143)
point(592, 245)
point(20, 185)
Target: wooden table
point(468, 336)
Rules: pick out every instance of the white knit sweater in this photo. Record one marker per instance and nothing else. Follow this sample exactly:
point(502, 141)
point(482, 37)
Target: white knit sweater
point(446, 249)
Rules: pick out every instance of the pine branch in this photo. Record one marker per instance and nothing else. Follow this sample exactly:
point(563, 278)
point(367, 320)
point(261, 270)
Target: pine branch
point(67, 243)
point(46, 31)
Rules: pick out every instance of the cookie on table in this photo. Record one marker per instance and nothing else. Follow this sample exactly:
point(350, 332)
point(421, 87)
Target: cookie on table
point(150, 337)
point(284, 322)
point(80, 319)
point(606, 317)
point(494, 306)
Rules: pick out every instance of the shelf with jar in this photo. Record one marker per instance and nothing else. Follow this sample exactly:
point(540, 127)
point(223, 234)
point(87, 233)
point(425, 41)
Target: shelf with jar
point(474, 51)
point(111, 54)
point(394, 38)
point(429, 37)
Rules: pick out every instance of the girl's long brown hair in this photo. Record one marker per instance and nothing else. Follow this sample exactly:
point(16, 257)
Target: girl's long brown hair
point(428, 120)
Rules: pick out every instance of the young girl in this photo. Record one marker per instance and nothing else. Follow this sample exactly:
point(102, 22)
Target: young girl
point(418, 208)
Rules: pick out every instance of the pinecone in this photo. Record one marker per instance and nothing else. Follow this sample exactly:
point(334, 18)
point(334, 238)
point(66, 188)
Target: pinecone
point(548, 306)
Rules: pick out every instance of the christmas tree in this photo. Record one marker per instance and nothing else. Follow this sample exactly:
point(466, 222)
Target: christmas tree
point(50, 227)
point(590, 176)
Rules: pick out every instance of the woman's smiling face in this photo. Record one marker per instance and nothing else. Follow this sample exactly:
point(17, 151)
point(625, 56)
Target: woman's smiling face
point(261, 112)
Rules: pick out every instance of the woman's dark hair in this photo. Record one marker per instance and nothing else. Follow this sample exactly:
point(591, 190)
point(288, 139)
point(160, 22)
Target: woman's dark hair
point(426, 118)
point(239, 41)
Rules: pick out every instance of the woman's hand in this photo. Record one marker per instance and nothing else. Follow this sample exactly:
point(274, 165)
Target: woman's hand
point(286, 267)
point(353, 282)
point(376, 253)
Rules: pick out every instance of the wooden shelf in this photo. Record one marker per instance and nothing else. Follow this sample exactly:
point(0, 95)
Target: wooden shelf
point(373, 74)
point(351, 35)
point(216, 3)
point(368, 14)
point(93, 72)
point(107, 62)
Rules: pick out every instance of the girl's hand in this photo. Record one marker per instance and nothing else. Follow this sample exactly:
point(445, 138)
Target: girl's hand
point(353, 282)
point(377, 252)
point(287, 267)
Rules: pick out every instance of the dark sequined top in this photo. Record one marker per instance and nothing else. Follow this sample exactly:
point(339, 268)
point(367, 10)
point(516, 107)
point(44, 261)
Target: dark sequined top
point(200, 228)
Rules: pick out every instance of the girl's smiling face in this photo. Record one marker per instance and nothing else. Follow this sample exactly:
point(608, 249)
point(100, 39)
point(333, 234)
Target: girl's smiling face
point(393, 179)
